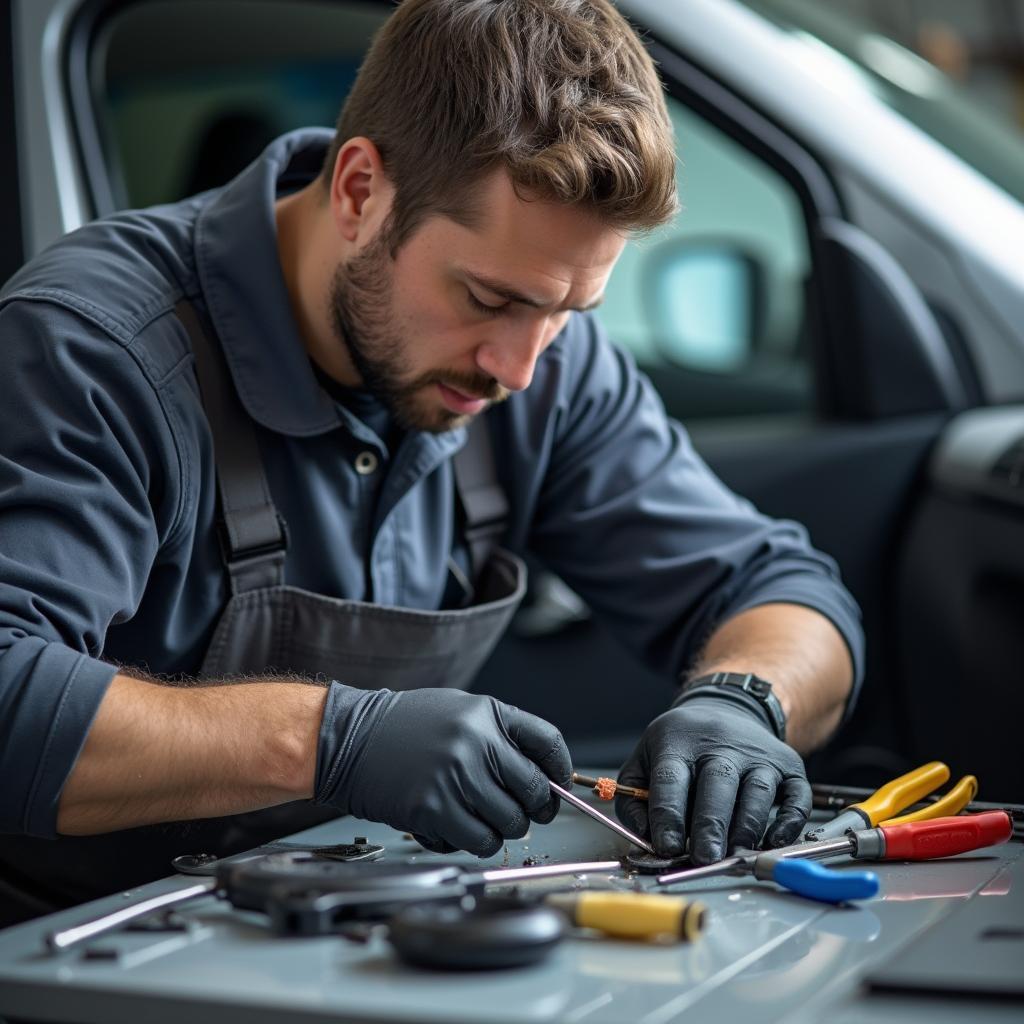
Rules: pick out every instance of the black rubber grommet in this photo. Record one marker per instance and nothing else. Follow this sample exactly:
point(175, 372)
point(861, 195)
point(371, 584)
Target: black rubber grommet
point(493, 933)
point(645, 864)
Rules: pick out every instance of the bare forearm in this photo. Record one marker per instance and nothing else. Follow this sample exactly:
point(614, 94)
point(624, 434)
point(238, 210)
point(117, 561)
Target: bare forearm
point(167, 753)
point(800, 652)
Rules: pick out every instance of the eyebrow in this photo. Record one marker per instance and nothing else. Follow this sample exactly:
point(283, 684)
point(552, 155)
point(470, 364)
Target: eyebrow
point(508, 292)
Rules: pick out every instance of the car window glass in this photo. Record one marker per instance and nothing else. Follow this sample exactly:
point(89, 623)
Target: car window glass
point(189, 91)
point(712, 306)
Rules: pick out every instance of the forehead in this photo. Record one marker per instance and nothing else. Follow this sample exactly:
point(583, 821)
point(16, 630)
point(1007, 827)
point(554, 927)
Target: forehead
point(538, 245)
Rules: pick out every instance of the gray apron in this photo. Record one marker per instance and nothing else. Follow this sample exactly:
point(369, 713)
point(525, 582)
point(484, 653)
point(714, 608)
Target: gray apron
point(268, 627)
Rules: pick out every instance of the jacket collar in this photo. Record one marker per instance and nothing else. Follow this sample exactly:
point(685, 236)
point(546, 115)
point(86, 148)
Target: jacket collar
point(246, 295)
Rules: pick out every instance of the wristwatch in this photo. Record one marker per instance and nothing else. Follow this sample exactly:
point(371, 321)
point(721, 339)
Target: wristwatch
point(726, 682)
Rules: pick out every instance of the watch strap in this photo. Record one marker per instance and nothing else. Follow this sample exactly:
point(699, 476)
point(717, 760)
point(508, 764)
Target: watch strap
point(731, 685)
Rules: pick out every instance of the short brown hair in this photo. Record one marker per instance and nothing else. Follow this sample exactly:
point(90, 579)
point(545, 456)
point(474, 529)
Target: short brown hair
point(562, 93)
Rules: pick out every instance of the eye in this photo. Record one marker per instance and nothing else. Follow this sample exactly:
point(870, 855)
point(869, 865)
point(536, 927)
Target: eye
point(482, 307)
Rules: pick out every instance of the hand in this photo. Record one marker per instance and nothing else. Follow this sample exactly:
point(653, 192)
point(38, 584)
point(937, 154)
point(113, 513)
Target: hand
point(722, 762)
point(458, 770)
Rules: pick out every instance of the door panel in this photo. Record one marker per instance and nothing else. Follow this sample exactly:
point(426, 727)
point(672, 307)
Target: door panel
point(960, 599)
point(854, 487)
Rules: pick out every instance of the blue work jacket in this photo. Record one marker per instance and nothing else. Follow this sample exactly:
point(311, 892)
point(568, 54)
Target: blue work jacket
point(109, 552)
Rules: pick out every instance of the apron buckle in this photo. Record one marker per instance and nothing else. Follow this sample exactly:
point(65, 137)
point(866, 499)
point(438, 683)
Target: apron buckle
point(254, 566)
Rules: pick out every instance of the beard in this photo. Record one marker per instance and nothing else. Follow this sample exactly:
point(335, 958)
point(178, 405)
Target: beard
point(361, 314)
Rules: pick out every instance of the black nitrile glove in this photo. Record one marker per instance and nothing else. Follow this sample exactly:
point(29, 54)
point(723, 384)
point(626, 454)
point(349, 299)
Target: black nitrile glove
point(458, 770)
point(714, 761)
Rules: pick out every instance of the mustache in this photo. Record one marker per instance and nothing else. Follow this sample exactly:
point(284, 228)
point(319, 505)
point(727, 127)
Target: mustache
point(470, 384)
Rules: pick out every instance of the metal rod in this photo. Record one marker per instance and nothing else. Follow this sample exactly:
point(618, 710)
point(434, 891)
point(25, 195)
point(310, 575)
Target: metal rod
point(68, 937)
point(583, 806)
point(499, 875)
point(817, 849)
point(729, 866)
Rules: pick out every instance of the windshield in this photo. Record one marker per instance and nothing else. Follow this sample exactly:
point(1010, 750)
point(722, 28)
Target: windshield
point(983, 136)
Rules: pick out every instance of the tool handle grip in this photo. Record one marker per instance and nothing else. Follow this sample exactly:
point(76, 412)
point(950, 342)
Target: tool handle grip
point(944, 837)
point(817, 882)
point(888, 801)
point(952, 803)
point(634, 915)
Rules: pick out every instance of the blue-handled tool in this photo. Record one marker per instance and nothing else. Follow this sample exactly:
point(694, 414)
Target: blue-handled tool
point(792, 867)
point(817, 882)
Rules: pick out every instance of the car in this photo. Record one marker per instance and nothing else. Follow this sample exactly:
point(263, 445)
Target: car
point(836, 316)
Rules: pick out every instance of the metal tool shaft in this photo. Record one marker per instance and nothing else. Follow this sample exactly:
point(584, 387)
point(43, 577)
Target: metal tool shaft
point(744, 862)
point(68, 937)
point(602, 818)
point(524, 874)
point(736, 865)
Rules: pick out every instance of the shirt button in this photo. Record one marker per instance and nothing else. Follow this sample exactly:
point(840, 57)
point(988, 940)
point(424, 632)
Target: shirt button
point(366, 463)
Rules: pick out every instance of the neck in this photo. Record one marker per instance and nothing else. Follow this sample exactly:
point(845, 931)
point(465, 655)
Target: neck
point(304, 240)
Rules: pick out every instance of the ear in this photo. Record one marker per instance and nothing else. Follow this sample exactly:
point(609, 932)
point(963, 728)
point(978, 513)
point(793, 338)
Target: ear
point(360, 191)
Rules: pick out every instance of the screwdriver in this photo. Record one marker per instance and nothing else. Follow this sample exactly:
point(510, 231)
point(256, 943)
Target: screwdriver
point(633, 915)
point(797, 873)
point(918, 840)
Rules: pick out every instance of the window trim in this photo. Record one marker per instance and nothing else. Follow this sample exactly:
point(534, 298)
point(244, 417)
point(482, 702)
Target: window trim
point(12, 255)
point(795, 162)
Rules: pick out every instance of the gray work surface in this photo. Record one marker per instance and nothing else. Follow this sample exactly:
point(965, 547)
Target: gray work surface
point(767, 955)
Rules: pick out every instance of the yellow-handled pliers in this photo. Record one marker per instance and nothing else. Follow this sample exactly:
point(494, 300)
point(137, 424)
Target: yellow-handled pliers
point(885, 803)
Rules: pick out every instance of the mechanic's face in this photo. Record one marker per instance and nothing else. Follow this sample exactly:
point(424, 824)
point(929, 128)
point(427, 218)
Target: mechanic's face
point(458, 318)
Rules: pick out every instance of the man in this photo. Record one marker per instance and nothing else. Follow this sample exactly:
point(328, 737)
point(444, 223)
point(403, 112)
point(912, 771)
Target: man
point(266, 454)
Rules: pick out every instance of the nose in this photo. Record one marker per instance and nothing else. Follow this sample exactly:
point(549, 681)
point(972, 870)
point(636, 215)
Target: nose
point(510, 354)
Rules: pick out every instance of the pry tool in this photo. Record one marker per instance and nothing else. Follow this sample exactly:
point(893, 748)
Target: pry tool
point(592, 812)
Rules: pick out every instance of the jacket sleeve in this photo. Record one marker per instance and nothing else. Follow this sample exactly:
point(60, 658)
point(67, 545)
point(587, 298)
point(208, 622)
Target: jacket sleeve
point(83, 446)
point(635, 521)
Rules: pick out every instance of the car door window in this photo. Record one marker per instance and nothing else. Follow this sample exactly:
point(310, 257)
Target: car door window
point(186, 93)
point(713, 305)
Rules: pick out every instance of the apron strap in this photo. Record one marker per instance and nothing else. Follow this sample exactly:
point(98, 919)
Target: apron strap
point(484, 503)
point(253, 538)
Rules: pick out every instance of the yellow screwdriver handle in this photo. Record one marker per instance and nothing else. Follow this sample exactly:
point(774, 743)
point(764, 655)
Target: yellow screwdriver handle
point(634, 915)
point(952, 803)
point(891, 798)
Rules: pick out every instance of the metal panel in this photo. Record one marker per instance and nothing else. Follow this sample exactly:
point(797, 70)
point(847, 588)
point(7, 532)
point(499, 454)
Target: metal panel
point(766, 955)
